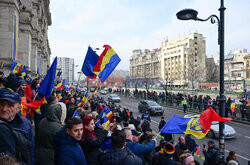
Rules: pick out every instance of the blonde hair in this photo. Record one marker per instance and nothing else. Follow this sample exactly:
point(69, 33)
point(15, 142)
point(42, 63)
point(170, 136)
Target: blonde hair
point(184, 156)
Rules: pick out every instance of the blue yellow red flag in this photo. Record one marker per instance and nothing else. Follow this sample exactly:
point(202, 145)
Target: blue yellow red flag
point(23, 72)
point(38, 76)
point(16, 67)
point(107, 62)
point(2, 64)
point(198, 127)
point(106, 114)
point(85, 98)
point(233, 106)
point(60, 85)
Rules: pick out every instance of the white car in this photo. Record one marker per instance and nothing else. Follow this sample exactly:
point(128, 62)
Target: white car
point(214, 129)
point(103, 92)
point(114, 98)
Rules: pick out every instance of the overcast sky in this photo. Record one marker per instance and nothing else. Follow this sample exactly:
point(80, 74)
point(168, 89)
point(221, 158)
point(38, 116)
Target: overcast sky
point(140, 24)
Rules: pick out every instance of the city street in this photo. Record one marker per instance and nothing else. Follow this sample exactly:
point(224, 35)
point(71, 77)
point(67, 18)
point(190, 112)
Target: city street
point(240, 144)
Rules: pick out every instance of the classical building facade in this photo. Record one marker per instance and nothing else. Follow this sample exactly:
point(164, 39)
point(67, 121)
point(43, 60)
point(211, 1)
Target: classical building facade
point(183, 60)
point(237, 69)
point(145, 64)
point(66, 66)
point(24, 34)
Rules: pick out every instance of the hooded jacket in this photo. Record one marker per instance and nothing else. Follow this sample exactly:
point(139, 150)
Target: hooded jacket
point(46, 131)
point(119, 156)
point(67, 149)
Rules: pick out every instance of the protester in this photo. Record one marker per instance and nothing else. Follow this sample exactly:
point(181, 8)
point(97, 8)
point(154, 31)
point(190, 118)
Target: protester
point(1, 74)
point(119, 154)
point(9, 117)
point(177, 147)
point(190, 143)
point(165, 155)
point(67, 148)
point(46, 131)
point(231, 156)
point(187, 159)
point(92, 139)
point(136, 148)
point(162, 123)
point(211, 154)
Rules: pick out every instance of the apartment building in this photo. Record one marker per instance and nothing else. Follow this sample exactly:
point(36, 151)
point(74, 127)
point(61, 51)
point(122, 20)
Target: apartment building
point(66, 66)
point(183, 60)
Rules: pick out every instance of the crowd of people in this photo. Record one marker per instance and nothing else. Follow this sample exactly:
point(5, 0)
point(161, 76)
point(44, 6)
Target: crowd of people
point(198, 103)
point(62, 132)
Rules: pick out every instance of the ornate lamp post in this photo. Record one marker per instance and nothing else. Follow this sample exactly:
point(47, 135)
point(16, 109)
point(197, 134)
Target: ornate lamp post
point(190, 14)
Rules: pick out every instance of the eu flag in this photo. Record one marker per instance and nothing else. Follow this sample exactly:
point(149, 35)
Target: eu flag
point(89, 63)
point(48, 82)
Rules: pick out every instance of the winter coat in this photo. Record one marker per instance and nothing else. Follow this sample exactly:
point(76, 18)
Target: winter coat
point(67, 149)
point(139, 149)
point(91, 147)
point(163, 160)
point(7, 140)
point(212, 155)
point(119, 157)
point(46, 131)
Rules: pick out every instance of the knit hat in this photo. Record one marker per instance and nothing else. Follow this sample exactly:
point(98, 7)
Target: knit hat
point(86, 120)
point(22, 81)
point(168, 149)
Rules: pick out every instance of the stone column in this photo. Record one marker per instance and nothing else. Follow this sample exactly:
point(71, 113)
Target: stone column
point(8, 11)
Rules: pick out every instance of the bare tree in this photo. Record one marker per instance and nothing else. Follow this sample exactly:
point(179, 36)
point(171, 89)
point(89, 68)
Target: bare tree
point(195, 72)
point(212, 71)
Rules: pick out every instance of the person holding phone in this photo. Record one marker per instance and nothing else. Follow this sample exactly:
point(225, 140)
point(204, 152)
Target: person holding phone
point(211, 154)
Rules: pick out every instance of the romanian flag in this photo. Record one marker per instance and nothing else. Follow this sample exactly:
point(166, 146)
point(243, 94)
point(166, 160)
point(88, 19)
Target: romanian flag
point(107, 63)
point(58, 73)
point(35, 105)
point(38, 77)
point(89, 63)
point(48, 82)
point(106, 114)
point(79, 103)
point(198, 127)
point(72, 87)
point(16, 67)
point(60, 85)
point(85, 98)
point(2, 64)
point(23, 72)
point(233, 106)
point(95, 92)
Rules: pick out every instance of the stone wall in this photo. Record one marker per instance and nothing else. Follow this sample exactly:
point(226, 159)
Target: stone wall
point(34, 17)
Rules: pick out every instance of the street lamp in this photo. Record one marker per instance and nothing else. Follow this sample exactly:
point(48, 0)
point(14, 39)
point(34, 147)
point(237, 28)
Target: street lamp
point(190, 14)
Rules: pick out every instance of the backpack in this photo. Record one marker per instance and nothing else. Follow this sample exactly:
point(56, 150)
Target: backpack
point(23, 145)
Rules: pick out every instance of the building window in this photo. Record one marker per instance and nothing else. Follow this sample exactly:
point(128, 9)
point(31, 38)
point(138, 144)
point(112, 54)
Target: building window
point(195, 37)
point(195, 48)
point(247, 63)
point(195, 43)
point(239, 75)
point(247, 74)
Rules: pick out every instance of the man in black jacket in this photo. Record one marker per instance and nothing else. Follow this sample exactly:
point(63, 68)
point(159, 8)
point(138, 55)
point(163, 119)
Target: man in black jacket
point(119, 154)
point(212, 153)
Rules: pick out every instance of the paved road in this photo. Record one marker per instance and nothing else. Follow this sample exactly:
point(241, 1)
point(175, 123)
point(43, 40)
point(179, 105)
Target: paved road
point(241, 144)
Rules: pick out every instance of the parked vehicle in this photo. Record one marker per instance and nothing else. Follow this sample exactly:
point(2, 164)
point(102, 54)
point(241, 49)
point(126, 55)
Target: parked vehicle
point(214, 130)
point(103, 92)
point(114, 98)
point(152, 107)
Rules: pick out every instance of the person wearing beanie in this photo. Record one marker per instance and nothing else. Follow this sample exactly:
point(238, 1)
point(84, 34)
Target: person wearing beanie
point(1, 74)
point(92, 139)
point(165, 154)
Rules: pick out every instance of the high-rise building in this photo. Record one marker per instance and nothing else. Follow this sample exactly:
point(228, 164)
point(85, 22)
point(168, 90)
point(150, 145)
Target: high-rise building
point(24, 34)
point(183, 60)
point(66, 66)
